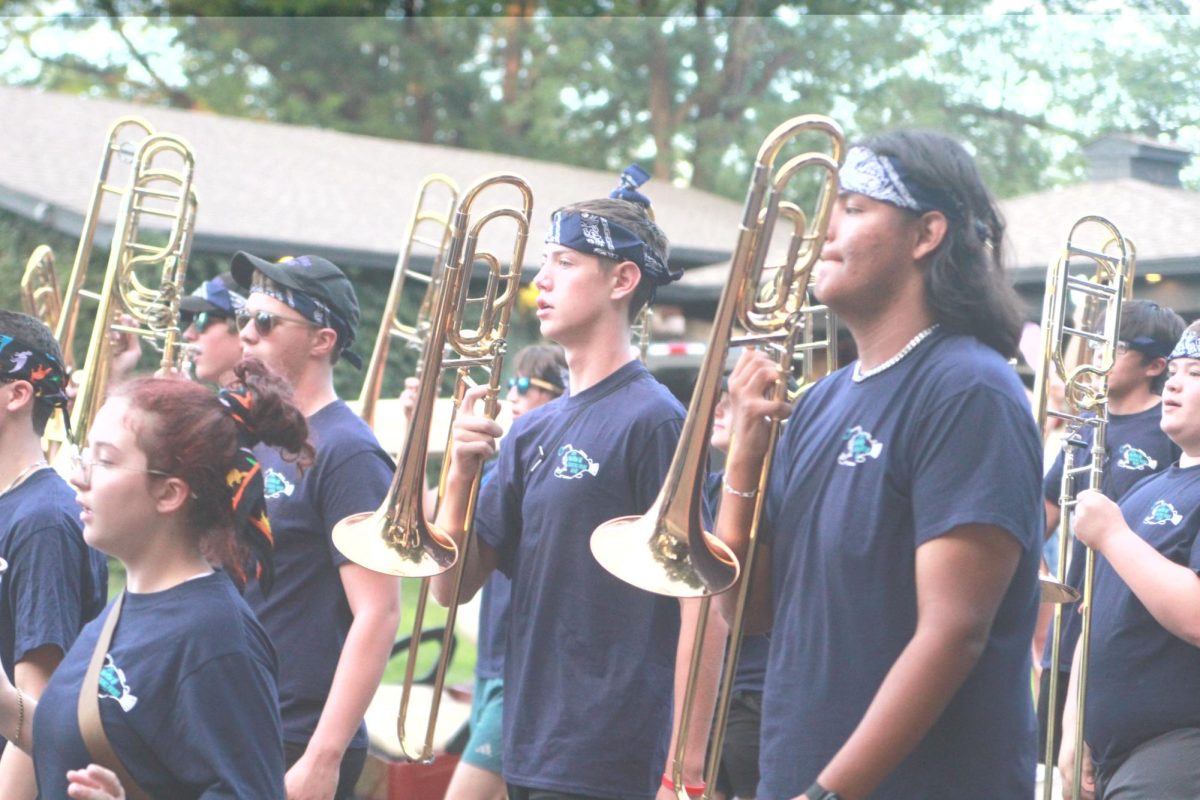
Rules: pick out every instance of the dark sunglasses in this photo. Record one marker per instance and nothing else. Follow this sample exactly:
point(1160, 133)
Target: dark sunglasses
point(205, 319)
point(523, 384)
point(265, 321)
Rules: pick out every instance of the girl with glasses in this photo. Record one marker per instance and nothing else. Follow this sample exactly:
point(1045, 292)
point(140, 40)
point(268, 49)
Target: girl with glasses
point(186, 690)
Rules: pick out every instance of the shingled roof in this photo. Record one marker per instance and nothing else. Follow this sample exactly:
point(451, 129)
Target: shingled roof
point(275, 188)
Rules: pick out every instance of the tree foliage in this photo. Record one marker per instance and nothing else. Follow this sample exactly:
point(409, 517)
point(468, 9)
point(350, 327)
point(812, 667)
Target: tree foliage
point(688, 88)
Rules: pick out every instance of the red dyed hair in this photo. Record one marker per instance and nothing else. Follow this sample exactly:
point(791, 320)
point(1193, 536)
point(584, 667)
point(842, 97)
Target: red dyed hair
point(185, 431)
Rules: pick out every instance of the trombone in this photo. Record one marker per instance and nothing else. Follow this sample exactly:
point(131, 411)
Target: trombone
point(397, 539)
point(161, 190)
point(1086, 395)
point(666, 550)
point(429, 226)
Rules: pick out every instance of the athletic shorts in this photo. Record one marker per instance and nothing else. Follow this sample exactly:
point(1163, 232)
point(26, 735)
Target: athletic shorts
point(485, 747)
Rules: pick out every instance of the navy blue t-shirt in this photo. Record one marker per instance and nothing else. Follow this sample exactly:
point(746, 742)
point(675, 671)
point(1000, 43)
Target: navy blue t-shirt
point(1143, 680)
point(187, 697)
point(55, 583)
point(306, 613)
point(751, 669)
point(1135, 447)
point(590, 664)
point(865, 474)
point(493, 615)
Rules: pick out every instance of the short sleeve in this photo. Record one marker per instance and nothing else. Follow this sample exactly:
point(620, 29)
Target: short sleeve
point(357, 484)
point(976, 459)
point(652, 461)
point(1194, 556)
point(498, 509)
point(223, 734)
point(43, 582)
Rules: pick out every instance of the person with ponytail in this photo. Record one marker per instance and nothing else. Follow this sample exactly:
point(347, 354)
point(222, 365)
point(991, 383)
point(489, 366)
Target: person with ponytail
point(185, 701)
point(902, 526)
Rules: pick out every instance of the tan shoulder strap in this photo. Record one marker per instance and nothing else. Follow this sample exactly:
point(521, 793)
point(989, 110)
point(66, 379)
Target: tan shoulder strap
point(90, 724)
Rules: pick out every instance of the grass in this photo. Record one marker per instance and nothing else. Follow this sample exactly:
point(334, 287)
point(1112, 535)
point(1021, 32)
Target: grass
point(461, 670)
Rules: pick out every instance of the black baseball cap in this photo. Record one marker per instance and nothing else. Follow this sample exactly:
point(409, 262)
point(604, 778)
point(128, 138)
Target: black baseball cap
point(319, 279)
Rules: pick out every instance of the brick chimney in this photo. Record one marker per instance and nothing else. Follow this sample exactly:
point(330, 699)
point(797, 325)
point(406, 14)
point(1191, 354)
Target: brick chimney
point(1125, 156)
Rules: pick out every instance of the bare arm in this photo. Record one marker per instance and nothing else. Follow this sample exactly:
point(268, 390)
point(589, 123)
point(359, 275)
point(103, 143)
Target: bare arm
point(1066, 752)
point(473, 441)
point(700, 723)
point(16, 768)
point(749, 383)
point(374, 601)
point(1053, 515)
point(961, 580)
point(1170, 591)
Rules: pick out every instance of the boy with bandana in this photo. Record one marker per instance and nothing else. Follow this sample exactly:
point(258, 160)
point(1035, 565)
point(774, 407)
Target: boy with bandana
point(1142, 715)
point(54, 583)
point(210, 316)
point(1135, 447)
point(591, 662)
point(898, 556)
point(332, 621)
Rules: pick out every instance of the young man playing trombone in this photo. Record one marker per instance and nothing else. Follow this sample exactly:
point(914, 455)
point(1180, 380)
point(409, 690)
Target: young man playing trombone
point(332, 621)
point(591, 662)
point(898, 561)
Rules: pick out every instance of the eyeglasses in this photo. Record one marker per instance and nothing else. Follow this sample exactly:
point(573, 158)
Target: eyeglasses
point(265, 321)
point(523, 384)
point(205, 319)
point(83, 461)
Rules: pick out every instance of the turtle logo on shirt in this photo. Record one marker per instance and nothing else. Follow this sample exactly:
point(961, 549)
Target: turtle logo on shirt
point(1163, 512)
point(113, 685)
point(574, 463)
point(1136, 459)
point(860, 445)
point(276, 485)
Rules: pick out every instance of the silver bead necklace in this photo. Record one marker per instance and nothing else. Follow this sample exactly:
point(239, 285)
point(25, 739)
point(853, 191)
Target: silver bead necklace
point(859, 376)
point(23, 474)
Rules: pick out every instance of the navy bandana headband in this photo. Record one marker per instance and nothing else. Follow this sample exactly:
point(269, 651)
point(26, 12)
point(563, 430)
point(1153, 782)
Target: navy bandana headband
point(315, 311)
point(884, 178)
point(1188, 347)
point(221, 296)
point(1149, 346)
point(597, 235)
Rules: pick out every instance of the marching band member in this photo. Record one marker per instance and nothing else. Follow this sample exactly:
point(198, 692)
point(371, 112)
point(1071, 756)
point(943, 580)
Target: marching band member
point(1142, 713)
point(186, 690)
point(540, 377)
point(210, 314)
point(738, 773)
point(332, 621)
point(55, 583)
point(903, 525)
point(591, 662)
point(1135, 447)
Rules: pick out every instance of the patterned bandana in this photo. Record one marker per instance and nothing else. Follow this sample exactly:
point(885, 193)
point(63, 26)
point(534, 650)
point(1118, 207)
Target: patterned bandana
point(315, 311)
point(216, 292)
point(884, 178)
point(245, 481)
point(23, 362)
point(592, 233)
point(1188, 347)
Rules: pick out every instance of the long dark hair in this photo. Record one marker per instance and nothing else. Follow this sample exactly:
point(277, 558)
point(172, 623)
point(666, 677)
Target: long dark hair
point(965, 285)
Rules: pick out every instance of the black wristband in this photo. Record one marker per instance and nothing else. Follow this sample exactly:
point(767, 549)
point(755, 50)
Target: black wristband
point(819, 792)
